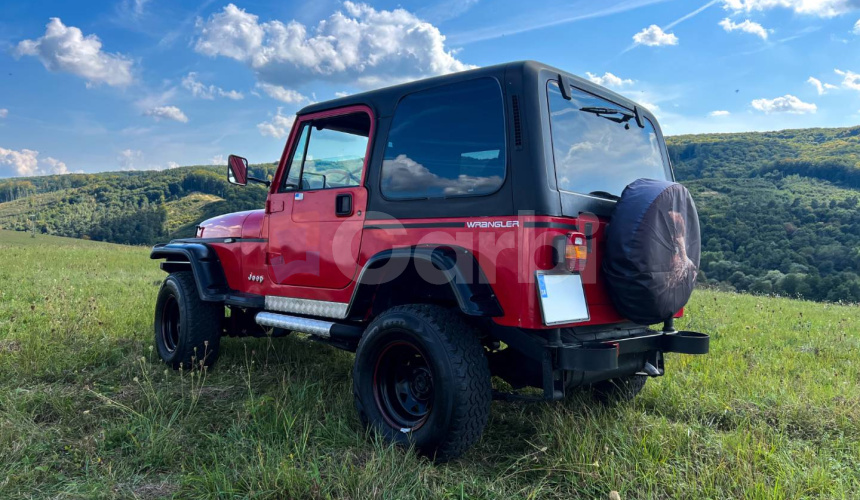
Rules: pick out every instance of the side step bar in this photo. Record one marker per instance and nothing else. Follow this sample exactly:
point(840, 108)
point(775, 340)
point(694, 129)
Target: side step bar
point(325, 329)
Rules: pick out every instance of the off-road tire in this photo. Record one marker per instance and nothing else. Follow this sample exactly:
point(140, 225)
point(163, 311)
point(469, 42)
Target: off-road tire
point(619, 390)
point(197, 337)
point(462, 391)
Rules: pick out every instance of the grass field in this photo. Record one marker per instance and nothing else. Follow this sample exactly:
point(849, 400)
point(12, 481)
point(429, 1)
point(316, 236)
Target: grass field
point(87, 410)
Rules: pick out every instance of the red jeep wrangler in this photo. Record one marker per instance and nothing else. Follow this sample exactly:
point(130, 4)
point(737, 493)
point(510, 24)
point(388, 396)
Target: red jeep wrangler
point(512, 221)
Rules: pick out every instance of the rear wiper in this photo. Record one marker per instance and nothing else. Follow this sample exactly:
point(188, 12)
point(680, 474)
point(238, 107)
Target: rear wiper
point(608, 114)
point(605, 194)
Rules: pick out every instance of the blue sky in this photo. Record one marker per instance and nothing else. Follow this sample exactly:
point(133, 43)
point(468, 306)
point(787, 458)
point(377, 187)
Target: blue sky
point(151, 84)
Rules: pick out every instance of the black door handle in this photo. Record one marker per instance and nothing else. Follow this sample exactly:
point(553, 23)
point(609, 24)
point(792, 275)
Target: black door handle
point(343, 205)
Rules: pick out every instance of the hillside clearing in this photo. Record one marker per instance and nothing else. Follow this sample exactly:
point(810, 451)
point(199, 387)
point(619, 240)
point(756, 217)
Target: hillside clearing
point(87, 411)
point(187, 211)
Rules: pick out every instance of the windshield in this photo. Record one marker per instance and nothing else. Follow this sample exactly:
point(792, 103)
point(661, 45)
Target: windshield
point(598, 148)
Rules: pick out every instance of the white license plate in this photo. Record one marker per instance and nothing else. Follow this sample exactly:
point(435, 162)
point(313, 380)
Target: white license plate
point(562, 298)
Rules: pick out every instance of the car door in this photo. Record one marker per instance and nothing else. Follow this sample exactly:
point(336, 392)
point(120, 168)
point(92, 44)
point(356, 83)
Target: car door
point(317, 213)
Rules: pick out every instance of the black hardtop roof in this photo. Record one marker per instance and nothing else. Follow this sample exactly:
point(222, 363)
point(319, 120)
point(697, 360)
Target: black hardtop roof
point(383, 100)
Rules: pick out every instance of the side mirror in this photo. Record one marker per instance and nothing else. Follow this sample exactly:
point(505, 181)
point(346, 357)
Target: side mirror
point(237, 170)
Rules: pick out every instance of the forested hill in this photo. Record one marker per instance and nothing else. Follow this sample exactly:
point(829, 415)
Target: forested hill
point(779, 210)
point(138, 208)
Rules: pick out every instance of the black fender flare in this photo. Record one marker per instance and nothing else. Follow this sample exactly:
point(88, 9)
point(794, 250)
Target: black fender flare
point(204, 263)
point(458, 266)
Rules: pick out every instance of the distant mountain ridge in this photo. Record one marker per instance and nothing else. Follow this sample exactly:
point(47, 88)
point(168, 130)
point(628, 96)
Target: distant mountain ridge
point(779, 210)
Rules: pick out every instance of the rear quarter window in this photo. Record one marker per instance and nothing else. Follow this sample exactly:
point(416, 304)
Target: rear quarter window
point(447, 141)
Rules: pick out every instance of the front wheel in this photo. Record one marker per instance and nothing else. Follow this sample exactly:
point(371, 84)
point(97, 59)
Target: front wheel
point(187, 329)
point(421, 378)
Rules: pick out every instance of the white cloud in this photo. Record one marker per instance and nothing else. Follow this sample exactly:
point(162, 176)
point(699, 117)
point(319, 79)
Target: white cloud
point(288, 96)
point(231, 94)
point(167, 113)
point(65, 48)
point(817, 84)
point(850, 79)
point(233, 33)
point(199, 89)
point(821, 8)
point(785, 104)
point(129, 159)
point(609, 80)
point(856, 29)
point(55, 166)
point(151, 99)
point(822, 88)
point(650, 106)
point(358, 45)
point(278, 127)
point(747, 27)
point(341, 94)
point(4, 112)
point(26, 162)
point(218, 160)
point(653, 36)
point(719, 112)
point(172, 164)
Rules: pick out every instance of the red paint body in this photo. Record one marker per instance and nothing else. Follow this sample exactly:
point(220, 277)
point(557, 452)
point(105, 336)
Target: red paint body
point(309, 252)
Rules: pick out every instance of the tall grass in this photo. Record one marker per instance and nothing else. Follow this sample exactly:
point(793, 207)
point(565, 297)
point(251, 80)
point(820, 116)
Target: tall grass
point(88, 411)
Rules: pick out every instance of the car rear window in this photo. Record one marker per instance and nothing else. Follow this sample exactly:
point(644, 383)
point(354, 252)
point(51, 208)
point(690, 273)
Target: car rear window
point(446, 142)
point(594, 153)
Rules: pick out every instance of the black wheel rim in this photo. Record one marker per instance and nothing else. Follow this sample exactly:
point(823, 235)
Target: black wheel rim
point(170, 323)
point(403, 386)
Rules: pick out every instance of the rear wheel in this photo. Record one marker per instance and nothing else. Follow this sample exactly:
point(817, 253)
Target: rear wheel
point(421, 378)
point(187, 329)
point(620, 389)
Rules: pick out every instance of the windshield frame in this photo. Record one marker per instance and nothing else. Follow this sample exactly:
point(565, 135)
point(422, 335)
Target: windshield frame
point(646, 116)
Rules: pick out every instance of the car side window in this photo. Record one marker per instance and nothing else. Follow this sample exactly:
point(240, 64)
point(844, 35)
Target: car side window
point(445, 142)
point(329, 154)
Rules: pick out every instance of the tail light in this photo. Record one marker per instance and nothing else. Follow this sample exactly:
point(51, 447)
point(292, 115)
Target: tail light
point(575, 252)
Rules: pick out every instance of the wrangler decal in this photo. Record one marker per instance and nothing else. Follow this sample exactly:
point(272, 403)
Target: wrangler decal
point(493, 224)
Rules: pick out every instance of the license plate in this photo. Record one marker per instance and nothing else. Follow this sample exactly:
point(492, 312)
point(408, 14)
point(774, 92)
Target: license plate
point(562, 298)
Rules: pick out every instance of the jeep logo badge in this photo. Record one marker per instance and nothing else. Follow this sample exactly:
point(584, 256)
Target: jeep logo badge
point(257, 278)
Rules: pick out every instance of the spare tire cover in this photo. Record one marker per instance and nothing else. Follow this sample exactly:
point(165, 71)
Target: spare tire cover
point(652, 253)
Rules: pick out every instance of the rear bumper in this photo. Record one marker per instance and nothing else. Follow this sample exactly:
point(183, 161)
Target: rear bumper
point(604, 355)
point(557, 361)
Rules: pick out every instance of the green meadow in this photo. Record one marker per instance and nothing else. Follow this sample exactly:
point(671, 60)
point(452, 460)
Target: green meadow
point(88, 411)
